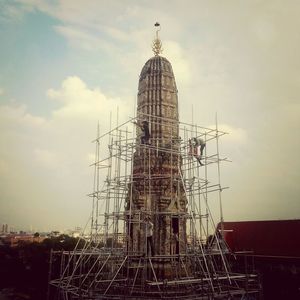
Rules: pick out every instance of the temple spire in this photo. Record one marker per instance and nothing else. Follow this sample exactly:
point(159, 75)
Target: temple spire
point(156, 44)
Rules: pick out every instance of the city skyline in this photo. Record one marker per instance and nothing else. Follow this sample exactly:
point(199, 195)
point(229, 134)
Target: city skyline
point(10, 228)
point(66, 65)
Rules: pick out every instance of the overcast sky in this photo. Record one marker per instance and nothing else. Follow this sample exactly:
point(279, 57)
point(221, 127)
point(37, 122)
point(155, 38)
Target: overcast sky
point(65, 64)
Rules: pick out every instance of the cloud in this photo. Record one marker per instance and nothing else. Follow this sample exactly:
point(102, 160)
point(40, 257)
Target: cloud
point(15, 116)
point(83, 39)
point(9, 12)
point(264, 176)
point(235, 135)
point(46, 158)
point(81, 103)
point(179, 62)
point(240, 60)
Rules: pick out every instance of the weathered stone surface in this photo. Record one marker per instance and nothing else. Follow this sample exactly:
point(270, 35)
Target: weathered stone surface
point(157, 189)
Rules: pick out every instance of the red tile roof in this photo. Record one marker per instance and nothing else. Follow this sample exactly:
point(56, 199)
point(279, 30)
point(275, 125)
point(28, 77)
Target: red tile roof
point(267, 238)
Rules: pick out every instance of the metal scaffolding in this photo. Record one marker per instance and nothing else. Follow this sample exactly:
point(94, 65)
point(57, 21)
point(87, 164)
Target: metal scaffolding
point(101, 265)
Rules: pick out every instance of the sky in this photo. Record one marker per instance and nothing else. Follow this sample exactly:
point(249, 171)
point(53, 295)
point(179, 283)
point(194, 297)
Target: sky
point(66, 64)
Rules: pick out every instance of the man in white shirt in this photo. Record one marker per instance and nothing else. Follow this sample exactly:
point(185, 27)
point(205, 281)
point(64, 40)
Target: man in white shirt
point(149, 235)
point(200, 145)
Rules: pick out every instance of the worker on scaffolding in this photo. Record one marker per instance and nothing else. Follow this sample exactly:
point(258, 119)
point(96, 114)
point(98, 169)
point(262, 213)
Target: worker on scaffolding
point(197, 146)
point(146, 133)
point(149, 235)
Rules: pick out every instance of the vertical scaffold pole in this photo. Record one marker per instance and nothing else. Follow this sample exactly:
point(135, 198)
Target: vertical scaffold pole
point(219, 179)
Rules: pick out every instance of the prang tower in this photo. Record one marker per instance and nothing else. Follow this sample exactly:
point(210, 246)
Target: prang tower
point(161, 181)
point(157, 189)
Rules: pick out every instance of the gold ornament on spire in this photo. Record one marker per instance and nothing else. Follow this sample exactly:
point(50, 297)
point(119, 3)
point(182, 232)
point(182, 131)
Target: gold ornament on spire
point(156, 44)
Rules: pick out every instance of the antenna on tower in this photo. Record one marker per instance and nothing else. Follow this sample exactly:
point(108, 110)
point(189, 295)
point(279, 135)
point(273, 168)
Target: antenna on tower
point(156, 44)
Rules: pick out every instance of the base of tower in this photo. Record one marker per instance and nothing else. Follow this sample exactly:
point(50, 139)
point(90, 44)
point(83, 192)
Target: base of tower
point(117, 276)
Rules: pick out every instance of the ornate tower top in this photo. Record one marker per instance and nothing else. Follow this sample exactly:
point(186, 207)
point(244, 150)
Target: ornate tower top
point(156, 44)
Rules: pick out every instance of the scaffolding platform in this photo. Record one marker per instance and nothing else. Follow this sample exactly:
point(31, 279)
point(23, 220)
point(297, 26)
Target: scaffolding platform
point(105, 264)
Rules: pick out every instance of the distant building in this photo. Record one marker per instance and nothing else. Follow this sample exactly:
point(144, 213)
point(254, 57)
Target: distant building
point(4, 228)
point(14, 240)
point(117, 238)
point(75, 232)
point(54, 233)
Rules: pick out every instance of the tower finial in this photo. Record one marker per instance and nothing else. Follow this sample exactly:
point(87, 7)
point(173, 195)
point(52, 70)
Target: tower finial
point(156, 44)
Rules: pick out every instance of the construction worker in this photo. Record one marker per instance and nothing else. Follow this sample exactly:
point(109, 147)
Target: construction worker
point(149, 235)
point(146, 133)
point(199, 145)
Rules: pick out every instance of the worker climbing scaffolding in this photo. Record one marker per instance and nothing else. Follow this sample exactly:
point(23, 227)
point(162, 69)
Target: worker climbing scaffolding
point(197, 146)
point(145, 137)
